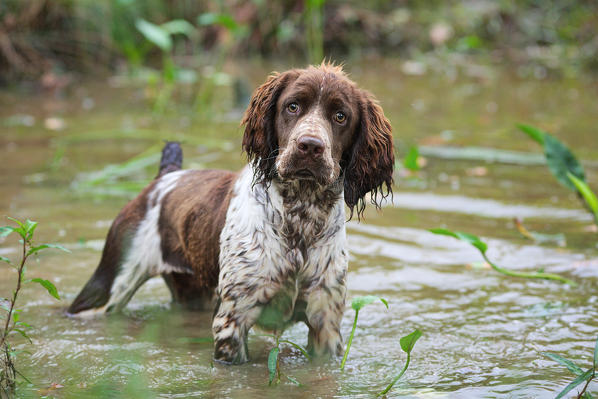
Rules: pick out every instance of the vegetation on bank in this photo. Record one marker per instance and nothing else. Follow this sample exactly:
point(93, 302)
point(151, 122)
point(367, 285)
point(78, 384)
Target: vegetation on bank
point(42, 36)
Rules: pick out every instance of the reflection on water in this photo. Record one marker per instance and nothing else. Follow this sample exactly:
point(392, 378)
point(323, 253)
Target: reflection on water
point(483, 332)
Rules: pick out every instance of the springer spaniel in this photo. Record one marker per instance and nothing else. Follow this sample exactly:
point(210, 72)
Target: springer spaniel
point(268, 242)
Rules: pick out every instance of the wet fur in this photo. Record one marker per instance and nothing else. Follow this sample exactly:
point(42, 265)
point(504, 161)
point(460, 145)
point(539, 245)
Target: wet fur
point(268, 248)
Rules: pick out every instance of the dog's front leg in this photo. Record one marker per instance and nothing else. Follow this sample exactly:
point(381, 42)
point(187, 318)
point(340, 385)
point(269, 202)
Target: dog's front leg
point(324, 314)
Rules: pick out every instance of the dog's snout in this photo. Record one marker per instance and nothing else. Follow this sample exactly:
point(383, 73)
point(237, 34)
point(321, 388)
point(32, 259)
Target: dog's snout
point(310, 146)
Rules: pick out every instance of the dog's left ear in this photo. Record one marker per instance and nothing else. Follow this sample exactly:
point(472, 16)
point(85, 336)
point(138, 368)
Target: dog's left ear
point(371, 159)
point(259, 140)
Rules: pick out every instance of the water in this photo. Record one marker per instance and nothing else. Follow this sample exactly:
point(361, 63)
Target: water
point(482, 332)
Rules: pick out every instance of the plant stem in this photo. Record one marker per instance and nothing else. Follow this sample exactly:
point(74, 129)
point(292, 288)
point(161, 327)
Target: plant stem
point(545, 276)
point(394, 381)
point(15, 294)
point(349, 341)
point(586, 386)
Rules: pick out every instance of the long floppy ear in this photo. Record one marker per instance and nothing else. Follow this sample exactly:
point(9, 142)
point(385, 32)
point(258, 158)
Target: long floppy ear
point(371, 159)
point(259, 140)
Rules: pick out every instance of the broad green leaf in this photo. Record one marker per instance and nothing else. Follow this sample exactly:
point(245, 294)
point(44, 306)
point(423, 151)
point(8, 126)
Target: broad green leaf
point(561, 161)
point(410, 161)
point(470, 238)
point(572, 367)
point(154, 34)
point(44, 246)
point(360, 301)
point(582, 378)
point(535, 133)
point(3, 259)
point(272, 361)
point(586, 192)
point(48, 286)
point(23, 333)
point(408, 341)
point(178, 26)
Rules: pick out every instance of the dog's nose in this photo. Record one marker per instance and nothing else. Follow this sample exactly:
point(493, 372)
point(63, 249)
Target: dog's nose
point(310, 146)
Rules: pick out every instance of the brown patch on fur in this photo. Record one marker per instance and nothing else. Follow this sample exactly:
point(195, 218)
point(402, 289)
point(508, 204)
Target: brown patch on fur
point(191, 219)
point(96, 292)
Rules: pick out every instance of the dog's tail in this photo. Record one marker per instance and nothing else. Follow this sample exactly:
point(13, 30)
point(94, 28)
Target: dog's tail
point(172, 158)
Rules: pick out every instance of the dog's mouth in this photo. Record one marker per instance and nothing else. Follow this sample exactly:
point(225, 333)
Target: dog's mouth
point(304, 174)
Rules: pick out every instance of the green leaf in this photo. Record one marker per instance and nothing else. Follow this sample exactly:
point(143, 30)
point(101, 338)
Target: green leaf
point(48, 286)
point(224, 20)
point(29, 227)
point(535, 133)
point(470, 238)
point(19, 230)
point(154, 34)
point(586, 192)
point(3, 259)
point(360, 301)
point(576, 382)
point(294, 381)
point(562, 161)
point(23, 333)
point(44, 246)
point(6, 230)
point(572, 367)
point(410, 161)
point(272, 361)
point(15, 317)
point(178, 26)
point(408, 341)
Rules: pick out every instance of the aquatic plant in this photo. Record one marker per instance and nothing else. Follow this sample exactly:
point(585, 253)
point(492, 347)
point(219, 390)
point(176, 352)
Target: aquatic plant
point(564, 166)
point(582, 376)
point(274, 363)
point(483, 247)
point(358, 303)
point(407, 343)
point(13, 323)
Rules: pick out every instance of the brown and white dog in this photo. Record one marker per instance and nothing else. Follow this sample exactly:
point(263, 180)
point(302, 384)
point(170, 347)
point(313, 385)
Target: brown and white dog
point(268, 242)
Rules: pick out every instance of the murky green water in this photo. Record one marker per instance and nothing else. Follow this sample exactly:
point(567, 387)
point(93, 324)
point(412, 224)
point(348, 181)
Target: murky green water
point(483, 332)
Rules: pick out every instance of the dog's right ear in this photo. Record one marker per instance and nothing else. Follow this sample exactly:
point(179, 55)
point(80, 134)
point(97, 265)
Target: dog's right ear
point(260, 141)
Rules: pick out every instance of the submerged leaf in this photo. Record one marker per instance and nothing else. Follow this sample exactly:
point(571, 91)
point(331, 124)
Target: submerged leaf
point(360, 301)
point(408, 341)
point(272, 362)
point(48, 286)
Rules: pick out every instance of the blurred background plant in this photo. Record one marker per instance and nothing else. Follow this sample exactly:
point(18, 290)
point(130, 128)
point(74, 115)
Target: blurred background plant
point(38, 37)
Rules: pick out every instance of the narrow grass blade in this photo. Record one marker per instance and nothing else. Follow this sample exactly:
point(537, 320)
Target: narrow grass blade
point(572, 367)
point(575, 383)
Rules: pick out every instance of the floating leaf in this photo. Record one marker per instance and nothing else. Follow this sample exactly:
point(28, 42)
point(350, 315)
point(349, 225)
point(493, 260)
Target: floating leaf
point(562, 161)
point(572, 367)
point(48, 286)
point(586, 192)
point(533, 132)
point(154, 34)
point(408, 341)
point(470, 238)
point(360, 301)
point(272, 362)
point(583, 377)
point(44, 246)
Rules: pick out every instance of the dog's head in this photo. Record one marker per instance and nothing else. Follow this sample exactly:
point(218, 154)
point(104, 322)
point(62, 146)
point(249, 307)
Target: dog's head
point(316, 124)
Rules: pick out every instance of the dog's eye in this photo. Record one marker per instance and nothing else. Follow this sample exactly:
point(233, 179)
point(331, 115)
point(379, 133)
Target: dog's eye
point(293, 108)
point(340, 117)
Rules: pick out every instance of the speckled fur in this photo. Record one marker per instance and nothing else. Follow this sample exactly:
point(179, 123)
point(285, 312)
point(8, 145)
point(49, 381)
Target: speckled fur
point(283, 255)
